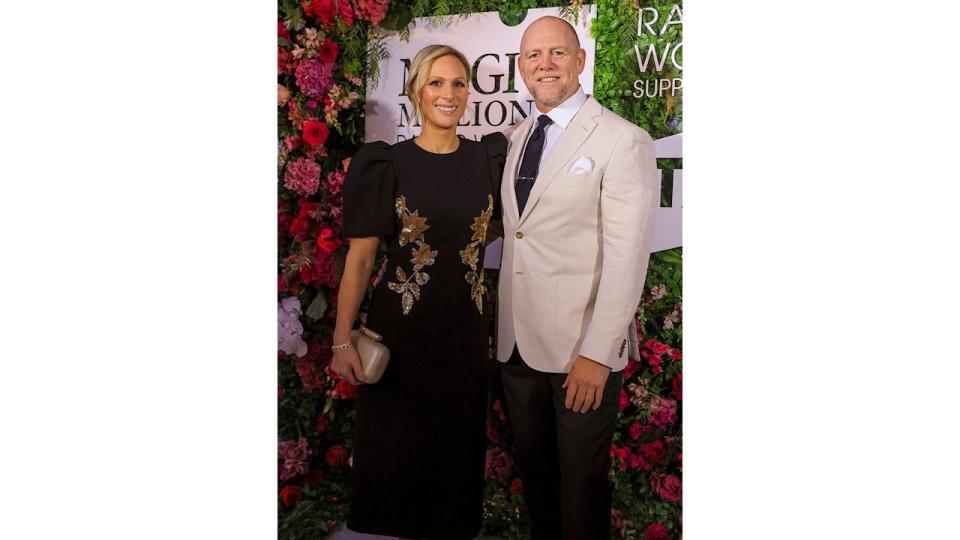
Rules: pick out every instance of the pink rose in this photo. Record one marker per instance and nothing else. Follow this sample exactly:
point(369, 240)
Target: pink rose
point(372, 10)
point(336, 456)
point(667, 486)
point(656, 531)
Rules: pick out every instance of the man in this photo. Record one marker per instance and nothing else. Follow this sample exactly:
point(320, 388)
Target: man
point(579, 192)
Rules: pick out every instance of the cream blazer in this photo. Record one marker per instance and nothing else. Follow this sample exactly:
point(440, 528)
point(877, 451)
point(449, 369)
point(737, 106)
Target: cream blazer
point(574, 263)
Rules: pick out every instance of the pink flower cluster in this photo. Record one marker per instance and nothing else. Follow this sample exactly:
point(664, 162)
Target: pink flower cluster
point(337, 99)
point(312, 367)
point(303, 176)
point(663, 412)
point(314, 76)
point(294, 458)
point(372, 10)
point(499, 464)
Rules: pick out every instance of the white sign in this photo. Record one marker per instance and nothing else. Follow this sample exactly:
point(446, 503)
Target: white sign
point(498, 97)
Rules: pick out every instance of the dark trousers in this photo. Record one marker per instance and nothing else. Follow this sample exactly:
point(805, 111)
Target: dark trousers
point(563, 456)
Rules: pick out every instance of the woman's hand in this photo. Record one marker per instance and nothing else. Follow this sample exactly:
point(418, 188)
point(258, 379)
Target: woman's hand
point(347, 364)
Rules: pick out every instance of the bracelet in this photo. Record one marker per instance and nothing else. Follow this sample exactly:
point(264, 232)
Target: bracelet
point(341, 347)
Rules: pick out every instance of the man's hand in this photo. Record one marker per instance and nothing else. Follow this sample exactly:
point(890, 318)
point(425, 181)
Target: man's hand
point(584, 384)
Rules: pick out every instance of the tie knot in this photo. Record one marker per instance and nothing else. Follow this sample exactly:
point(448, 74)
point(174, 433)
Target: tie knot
point(544, 121)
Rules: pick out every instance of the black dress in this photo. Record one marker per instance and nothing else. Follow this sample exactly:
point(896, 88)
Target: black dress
point(419, 435)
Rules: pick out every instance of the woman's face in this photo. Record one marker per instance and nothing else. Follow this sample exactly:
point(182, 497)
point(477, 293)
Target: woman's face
point(444, 97)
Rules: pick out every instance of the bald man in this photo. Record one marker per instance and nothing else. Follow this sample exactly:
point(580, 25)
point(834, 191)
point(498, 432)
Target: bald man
point(579, 193)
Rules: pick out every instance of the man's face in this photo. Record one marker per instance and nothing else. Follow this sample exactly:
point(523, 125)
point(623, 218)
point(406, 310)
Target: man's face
point(550, 62)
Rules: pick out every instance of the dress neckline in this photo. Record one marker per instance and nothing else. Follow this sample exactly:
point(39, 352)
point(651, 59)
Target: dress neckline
point(460, 138)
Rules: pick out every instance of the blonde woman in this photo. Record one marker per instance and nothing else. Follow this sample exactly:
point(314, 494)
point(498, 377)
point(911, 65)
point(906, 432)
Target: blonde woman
point(419, 436)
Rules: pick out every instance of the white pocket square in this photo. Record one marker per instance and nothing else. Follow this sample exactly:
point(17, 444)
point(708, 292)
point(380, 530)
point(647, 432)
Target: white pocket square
point(582, 166)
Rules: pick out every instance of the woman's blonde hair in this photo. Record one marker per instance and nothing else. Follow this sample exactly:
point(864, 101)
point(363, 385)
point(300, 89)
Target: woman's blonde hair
point(420, 70)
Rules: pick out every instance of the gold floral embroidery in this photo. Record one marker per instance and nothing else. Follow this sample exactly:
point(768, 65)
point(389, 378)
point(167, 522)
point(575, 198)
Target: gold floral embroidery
point(421, 255)
point(470, 255)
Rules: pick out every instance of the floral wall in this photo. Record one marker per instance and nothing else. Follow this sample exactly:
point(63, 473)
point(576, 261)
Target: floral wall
point(324, 58)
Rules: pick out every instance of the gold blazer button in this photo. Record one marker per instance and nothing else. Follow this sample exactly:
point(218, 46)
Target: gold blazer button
point(519, 234)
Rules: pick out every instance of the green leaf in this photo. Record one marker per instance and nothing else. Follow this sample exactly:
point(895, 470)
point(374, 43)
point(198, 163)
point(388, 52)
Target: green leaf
point(318, 307)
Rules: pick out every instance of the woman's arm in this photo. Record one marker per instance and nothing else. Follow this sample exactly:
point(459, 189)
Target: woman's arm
point(353, 288)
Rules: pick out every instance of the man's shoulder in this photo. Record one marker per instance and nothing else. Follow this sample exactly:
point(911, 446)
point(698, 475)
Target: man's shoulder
point(615, 125)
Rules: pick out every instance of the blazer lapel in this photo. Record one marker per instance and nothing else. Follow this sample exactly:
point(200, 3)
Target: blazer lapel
point(517, 140)
point(573, 137)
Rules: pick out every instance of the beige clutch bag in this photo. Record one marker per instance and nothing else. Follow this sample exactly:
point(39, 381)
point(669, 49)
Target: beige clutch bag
point(374, 355)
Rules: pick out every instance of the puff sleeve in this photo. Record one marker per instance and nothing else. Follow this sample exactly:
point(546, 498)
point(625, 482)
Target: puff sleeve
point(368, 192)
point(496, 147)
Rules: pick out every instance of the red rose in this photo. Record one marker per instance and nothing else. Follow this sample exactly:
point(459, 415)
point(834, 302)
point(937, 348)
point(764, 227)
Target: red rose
point(336, 456)
point(282, 30)
point(632, 366)
point(667, 486)
point(315, 477)
point(492, 434)
point(346, 390)
point(497, 406)
point(659, 348)
point(323, 422)
point(315, 133)
point(328, 51)
point(516, 487)
point(654, 360)
point(656, 531)
point(327, 241)
point(677, 384)
point(624, 400)
point(654, 451)
point(291, 495)
point(675, 354)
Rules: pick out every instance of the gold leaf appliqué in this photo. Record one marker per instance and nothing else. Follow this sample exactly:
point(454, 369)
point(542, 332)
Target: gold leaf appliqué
point(421, 255)
point(470, 255)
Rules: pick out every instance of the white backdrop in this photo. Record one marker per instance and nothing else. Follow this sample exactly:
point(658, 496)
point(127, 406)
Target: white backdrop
point(498, 97)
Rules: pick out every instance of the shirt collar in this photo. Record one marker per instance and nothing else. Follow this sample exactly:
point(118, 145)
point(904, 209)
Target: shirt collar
point(563, 113)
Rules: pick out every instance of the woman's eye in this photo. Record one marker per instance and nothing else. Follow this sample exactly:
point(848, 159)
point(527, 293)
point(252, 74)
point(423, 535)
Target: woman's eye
point(436, 83)
point(460, 84)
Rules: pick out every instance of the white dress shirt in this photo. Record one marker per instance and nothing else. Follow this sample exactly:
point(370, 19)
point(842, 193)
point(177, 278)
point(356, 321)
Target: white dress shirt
point(561, 115)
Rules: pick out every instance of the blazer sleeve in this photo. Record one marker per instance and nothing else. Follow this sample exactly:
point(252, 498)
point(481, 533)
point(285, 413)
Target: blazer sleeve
point(496, 146)
point(629, 198)
point(368, 192)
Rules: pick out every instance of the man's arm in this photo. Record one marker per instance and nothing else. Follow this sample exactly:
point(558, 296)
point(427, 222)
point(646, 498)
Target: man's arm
point(629, 197)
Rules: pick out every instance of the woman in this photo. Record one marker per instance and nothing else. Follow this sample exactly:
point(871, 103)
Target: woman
point(419, 436)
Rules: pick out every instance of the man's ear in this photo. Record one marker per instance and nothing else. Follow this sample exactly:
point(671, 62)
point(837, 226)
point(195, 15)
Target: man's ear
point(581, 60)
